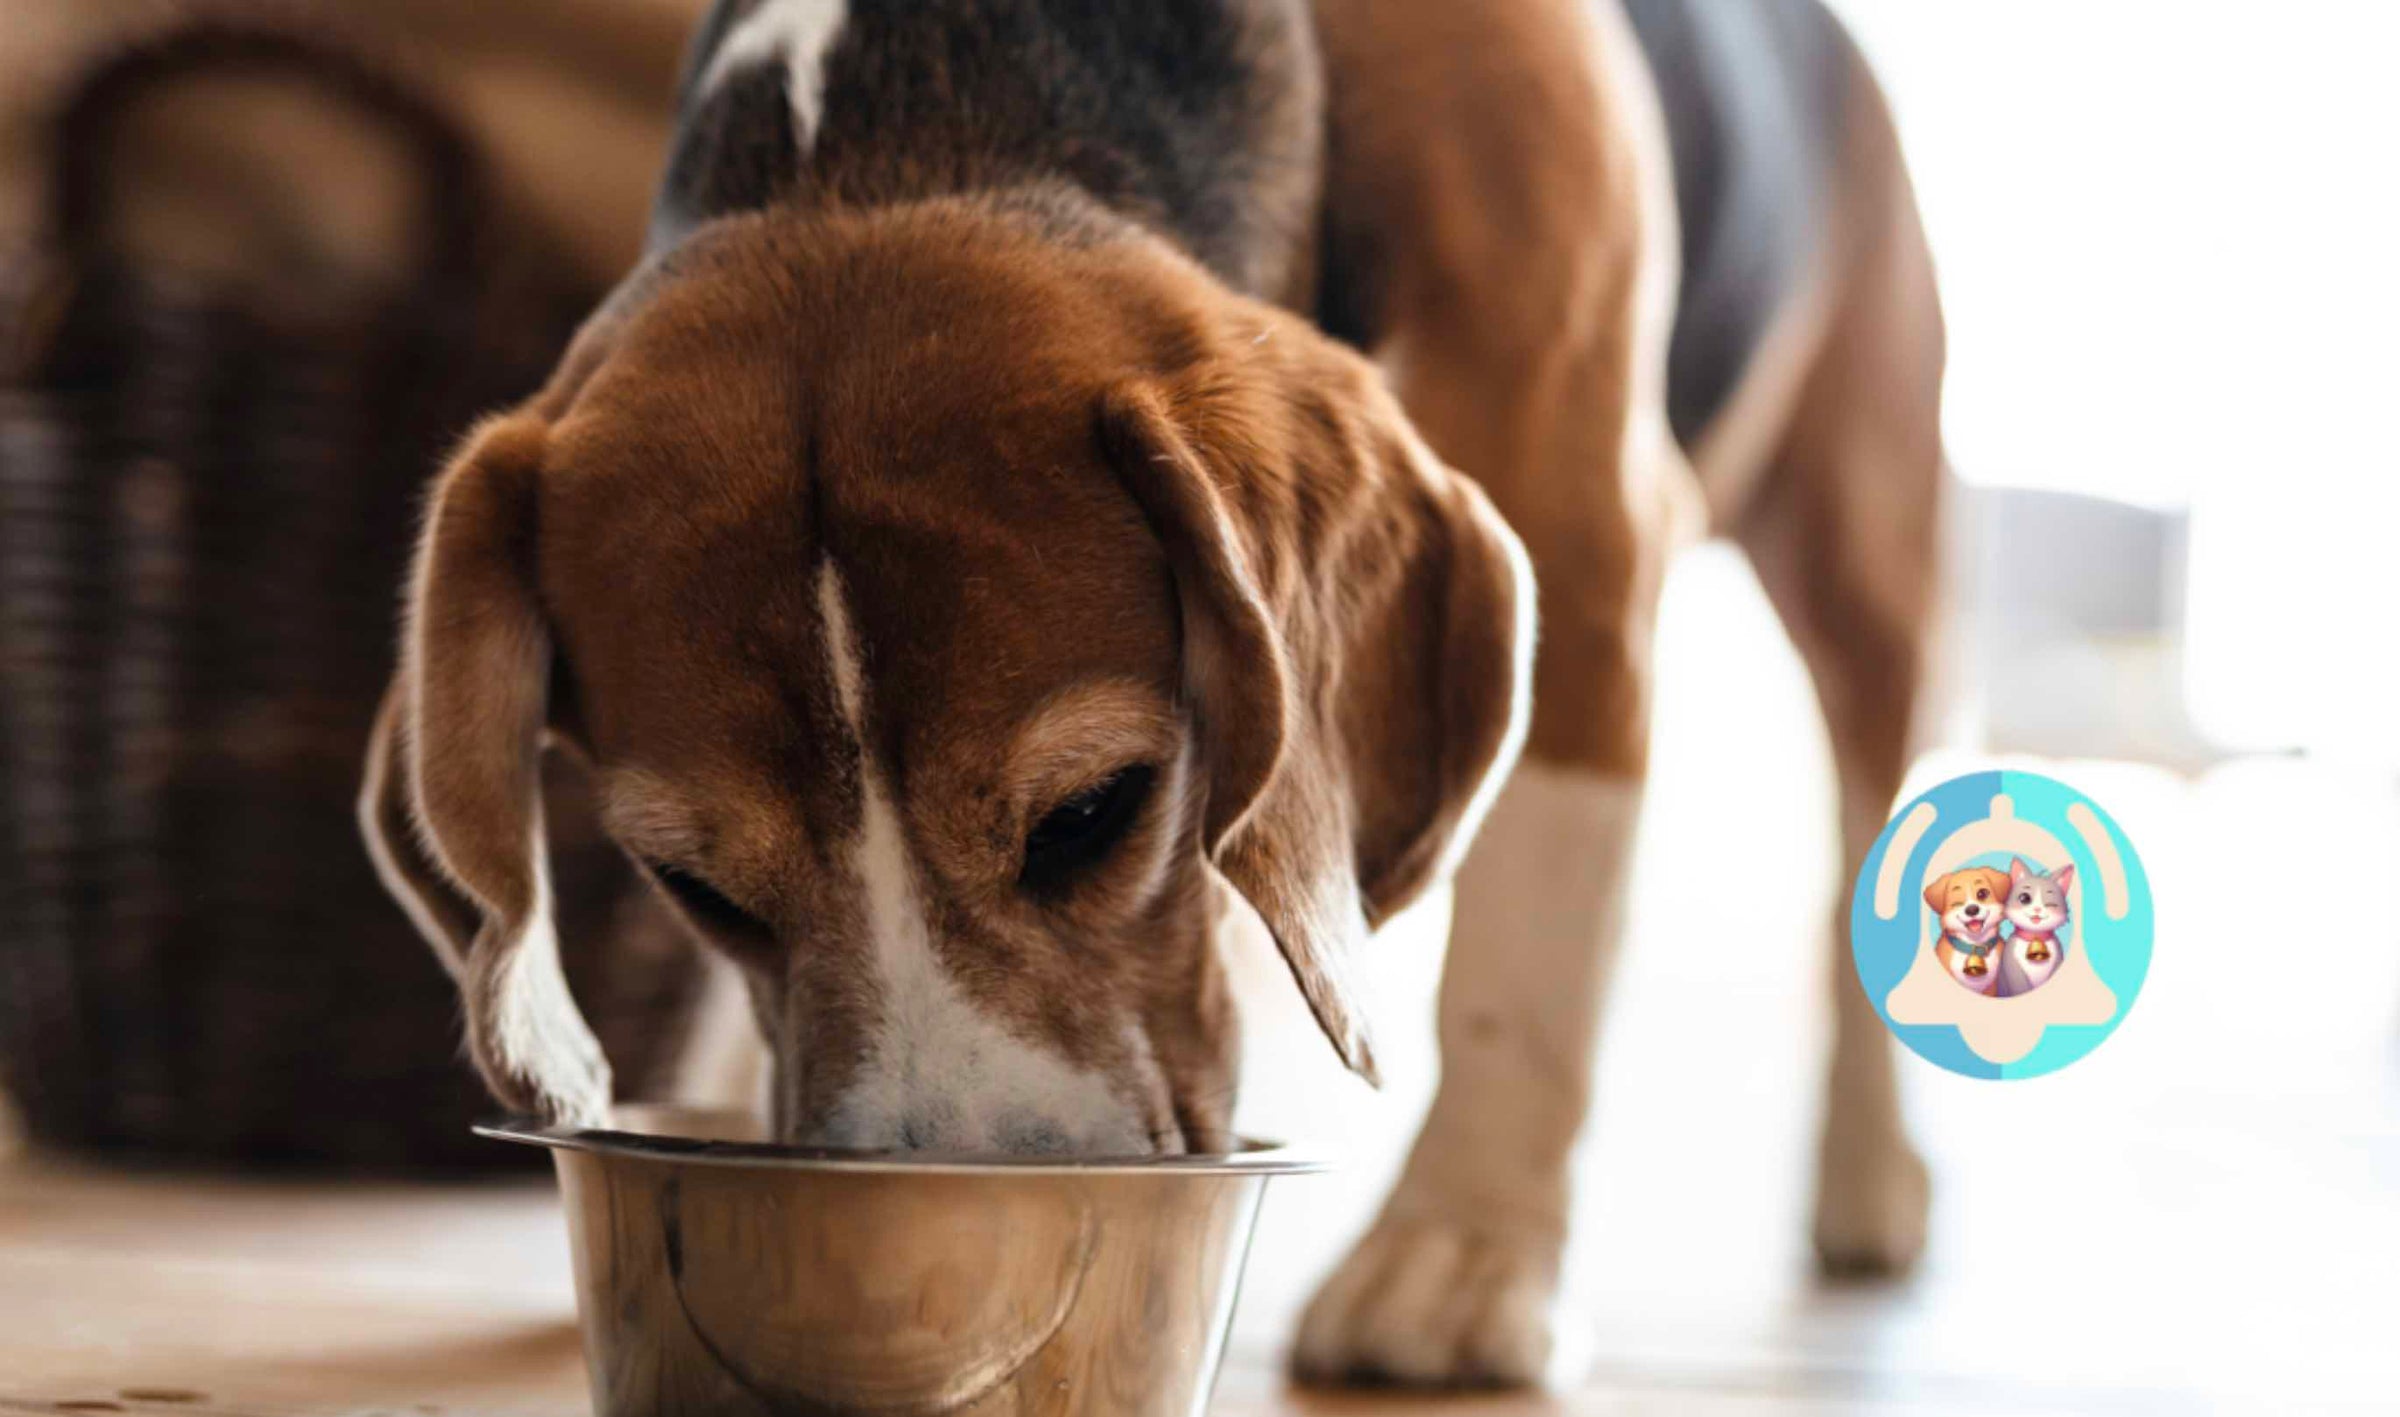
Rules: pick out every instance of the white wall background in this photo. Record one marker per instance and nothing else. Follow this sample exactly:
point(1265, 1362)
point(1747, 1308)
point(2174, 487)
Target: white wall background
point(2170, 248)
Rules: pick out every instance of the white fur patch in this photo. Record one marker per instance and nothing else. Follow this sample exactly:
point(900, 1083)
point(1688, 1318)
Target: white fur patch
point(943, 1075)
point(1460, 1277)
point(798, 32)
point(541, 1035)
point(1539, 911)
point(1540, 907)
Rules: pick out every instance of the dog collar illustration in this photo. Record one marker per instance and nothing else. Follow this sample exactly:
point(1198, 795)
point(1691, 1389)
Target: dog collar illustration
point(2006, 969)
point(1977, 948)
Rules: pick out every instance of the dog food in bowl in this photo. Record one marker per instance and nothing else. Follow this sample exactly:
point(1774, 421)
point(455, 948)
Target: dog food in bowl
point(715, 1274)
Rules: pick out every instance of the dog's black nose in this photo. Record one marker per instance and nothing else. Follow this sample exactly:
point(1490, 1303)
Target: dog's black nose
point(1973, 911)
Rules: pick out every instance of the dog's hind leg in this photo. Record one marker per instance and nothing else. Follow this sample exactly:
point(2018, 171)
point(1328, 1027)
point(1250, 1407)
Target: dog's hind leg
point(1844, 530)
point(1524, 292)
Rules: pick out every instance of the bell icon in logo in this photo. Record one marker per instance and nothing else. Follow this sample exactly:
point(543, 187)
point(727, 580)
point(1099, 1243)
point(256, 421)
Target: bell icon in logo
point(2002, 925)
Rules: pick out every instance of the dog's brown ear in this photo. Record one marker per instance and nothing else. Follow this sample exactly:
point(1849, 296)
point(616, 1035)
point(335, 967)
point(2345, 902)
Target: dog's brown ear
point(1358, 635)
point(451, 806)
point(1933, 893)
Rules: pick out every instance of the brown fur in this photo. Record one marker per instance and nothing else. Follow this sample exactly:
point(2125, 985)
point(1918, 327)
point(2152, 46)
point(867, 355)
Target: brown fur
point(1239, 547)
point(1844, 530)
point(1513, 251)
point(1522, 242)
point(1016, 536)
point(1234, 543)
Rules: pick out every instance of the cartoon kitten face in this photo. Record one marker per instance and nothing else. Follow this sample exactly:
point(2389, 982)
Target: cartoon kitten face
point(2038, 903)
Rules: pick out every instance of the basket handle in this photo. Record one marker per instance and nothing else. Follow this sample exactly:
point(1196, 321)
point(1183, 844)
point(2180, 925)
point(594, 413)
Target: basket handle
point(85, 130)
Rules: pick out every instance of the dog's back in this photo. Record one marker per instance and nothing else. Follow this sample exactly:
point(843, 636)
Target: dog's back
point(1205, 120)
point(1755, 93)
point(1200, 118)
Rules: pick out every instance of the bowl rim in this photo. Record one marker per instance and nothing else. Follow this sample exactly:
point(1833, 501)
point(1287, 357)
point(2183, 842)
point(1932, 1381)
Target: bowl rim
point(1255, 1158)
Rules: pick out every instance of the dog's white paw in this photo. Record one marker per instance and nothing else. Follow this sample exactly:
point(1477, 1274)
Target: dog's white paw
point(1436, 1302)
point(1871, 1205)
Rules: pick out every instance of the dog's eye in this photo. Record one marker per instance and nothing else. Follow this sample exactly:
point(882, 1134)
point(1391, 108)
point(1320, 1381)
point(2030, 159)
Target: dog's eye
point(1080, 830)
point(703, 902)
point(1983, 895)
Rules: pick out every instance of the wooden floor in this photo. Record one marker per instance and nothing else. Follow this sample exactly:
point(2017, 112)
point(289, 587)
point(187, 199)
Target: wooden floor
point(2203, 1216)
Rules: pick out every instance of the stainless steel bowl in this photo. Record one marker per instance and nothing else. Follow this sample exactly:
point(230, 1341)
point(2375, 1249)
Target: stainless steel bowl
point(721, 1275)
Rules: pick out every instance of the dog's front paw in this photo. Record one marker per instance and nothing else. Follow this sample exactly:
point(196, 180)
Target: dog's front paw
point(1871, 1203)
point(1433, 1301)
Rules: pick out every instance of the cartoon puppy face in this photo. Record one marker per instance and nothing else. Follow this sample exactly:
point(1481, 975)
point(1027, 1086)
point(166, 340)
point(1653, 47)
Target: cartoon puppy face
point(1970, 902)
point(947, 610)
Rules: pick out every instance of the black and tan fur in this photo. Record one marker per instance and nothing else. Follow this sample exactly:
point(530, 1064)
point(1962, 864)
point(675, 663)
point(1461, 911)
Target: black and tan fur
point(983, 313)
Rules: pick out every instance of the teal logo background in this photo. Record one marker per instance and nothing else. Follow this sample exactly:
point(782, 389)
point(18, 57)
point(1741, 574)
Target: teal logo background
point(2116, 945)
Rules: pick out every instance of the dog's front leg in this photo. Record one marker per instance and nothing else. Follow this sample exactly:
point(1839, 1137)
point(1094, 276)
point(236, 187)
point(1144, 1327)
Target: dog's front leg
point(1457, 1280)
point(1527, 306)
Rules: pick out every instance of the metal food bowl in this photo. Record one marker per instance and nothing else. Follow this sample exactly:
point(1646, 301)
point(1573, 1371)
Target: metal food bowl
point(718, 1274)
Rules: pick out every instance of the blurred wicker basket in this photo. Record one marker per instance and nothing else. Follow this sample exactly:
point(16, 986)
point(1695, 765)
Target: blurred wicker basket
point(206, 502)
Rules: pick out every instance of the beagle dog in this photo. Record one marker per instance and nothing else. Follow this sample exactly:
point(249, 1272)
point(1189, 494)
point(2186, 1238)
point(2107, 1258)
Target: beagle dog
point(1060, 469)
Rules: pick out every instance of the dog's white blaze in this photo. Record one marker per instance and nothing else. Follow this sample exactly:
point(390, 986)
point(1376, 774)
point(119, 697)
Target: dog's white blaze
point(796, 31)
point(942, 1074)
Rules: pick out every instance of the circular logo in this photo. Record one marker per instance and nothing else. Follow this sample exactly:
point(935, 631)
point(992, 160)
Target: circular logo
point(2002, 925)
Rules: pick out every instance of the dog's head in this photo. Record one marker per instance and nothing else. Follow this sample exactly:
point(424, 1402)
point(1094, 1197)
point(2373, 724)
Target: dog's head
point(947, 602)
point(1969, 901)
